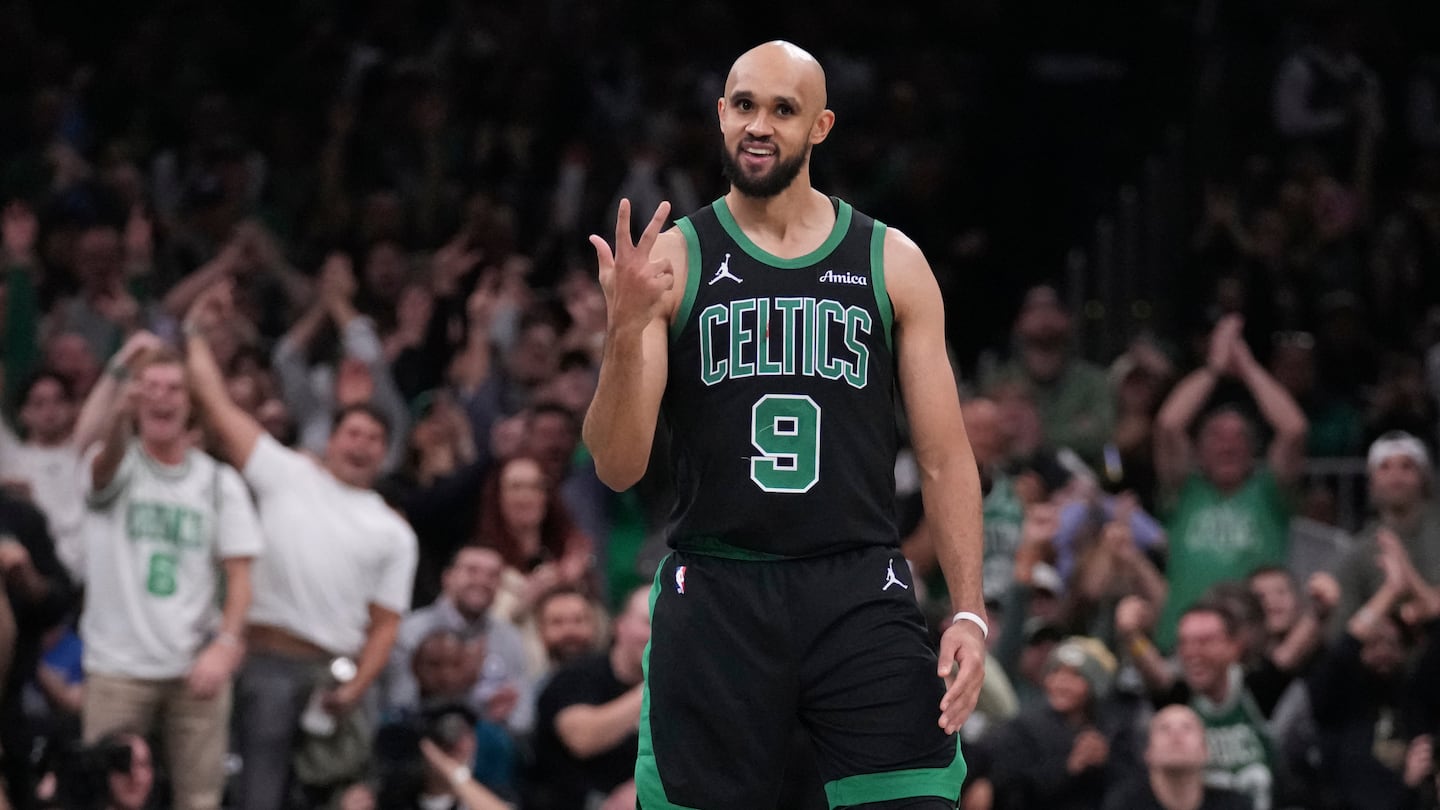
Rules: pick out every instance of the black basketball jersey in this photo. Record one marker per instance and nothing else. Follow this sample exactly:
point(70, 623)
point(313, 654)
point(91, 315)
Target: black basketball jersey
point(780, 397)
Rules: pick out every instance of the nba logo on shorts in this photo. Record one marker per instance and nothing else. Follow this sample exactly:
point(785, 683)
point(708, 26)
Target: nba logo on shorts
point(680, 579)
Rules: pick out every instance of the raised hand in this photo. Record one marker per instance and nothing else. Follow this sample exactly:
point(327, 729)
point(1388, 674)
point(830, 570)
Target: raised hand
point(210, 308)
point(136, 346)
point(634, 285)
point(1221, 358)
point(1132, 616)
point(1324, 591)
point(337, 278)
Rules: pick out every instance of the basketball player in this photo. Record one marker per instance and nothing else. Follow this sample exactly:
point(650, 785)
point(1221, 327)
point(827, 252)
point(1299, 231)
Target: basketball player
point(770, 329)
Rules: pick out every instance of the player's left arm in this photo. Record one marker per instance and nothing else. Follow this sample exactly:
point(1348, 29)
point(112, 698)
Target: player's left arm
point(949, 477)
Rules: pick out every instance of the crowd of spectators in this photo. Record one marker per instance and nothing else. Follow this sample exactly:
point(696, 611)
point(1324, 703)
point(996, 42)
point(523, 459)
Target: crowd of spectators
point(299, 327)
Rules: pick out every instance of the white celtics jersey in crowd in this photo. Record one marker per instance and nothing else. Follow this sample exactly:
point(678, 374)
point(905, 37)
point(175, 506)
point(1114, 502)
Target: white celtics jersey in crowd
point(155, 538)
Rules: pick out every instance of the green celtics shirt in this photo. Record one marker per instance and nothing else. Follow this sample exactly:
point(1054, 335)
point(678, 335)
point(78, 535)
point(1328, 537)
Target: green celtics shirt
point(1215, 537)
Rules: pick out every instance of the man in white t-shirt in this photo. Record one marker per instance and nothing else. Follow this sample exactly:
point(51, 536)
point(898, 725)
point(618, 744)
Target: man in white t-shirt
point(162, 518)
point(46, 464)
point(335, 579)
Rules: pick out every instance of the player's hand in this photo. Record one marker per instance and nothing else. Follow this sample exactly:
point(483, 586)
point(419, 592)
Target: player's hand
point(634, 285)
point(962, 654)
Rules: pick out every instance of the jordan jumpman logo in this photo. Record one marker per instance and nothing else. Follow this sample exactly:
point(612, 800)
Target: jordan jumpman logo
point(724, 272)
point(891, 579)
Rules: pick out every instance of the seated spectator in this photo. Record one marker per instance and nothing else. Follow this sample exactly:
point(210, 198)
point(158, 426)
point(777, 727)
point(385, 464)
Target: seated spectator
point(1401, 480)
point(588, 718)
point(35, 594)
point(1176, 755)
point(117, 772)
point(447, 748)
point(1140, 378)
point(1360, 696)
point(1335, 424)
point(1082, 516)
point(1227, 516)
point(1073, 396)
point(521, 517)
point(1212, 682)
point(1292, 629)
point(446, 669)
point(1113, 564)
point(464, 608)
point(1066, 752)
point(568, 624)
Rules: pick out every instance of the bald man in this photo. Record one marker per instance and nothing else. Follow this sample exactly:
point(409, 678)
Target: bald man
point(1175, 759)
point(770, 328)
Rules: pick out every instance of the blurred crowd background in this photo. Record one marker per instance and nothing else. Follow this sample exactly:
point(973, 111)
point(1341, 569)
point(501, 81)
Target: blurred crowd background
point(1190, 253)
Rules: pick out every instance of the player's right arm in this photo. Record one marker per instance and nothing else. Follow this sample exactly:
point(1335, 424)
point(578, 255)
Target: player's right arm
point(640, 291)
point(236, 430)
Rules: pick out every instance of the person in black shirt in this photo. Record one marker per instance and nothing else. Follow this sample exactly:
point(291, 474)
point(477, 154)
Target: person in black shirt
point(587, 721)
point(1175, 758)
point(37, 592)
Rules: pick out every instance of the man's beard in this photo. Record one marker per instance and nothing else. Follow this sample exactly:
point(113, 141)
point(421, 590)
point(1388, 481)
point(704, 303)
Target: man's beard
point(775, 181)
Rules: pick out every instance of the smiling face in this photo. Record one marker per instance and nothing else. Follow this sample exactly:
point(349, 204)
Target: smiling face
point(163, 411)
point(773, 111)
point(1206, 650)
point(356, 449)
point(1225, 450)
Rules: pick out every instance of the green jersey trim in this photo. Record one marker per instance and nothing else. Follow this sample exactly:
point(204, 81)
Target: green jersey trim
point(866, 788)
point(877, 272)
point(648, 787)
point(842, 224)
point(692, 276)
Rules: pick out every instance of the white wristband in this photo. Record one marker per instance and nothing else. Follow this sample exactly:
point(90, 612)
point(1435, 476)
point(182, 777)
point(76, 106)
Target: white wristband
point(967, 616)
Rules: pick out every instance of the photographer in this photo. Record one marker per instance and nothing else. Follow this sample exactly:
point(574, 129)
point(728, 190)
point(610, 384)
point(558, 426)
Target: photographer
point(116, 773)
point(445, 780)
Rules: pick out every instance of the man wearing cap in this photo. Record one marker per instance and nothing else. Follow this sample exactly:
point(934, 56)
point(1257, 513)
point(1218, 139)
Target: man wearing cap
point(1400, 487)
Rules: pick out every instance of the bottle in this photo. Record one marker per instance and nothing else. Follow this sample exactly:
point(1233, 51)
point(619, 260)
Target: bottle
point(317, 720)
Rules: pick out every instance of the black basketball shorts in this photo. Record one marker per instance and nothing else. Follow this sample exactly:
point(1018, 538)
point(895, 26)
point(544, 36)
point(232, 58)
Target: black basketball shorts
point(743, 647)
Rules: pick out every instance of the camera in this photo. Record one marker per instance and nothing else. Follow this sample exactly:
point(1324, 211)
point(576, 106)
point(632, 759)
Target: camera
point(83, 771)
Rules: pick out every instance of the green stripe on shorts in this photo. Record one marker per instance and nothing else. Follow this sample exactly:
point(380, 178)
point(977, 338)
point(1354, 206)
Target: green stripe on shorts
point(909, 784)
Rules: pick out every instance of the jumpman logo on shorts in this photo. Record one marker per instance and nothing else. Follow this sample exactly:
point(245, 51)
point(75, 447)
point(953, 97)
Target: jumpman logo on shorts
point(724, 272)
point(891, 579)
